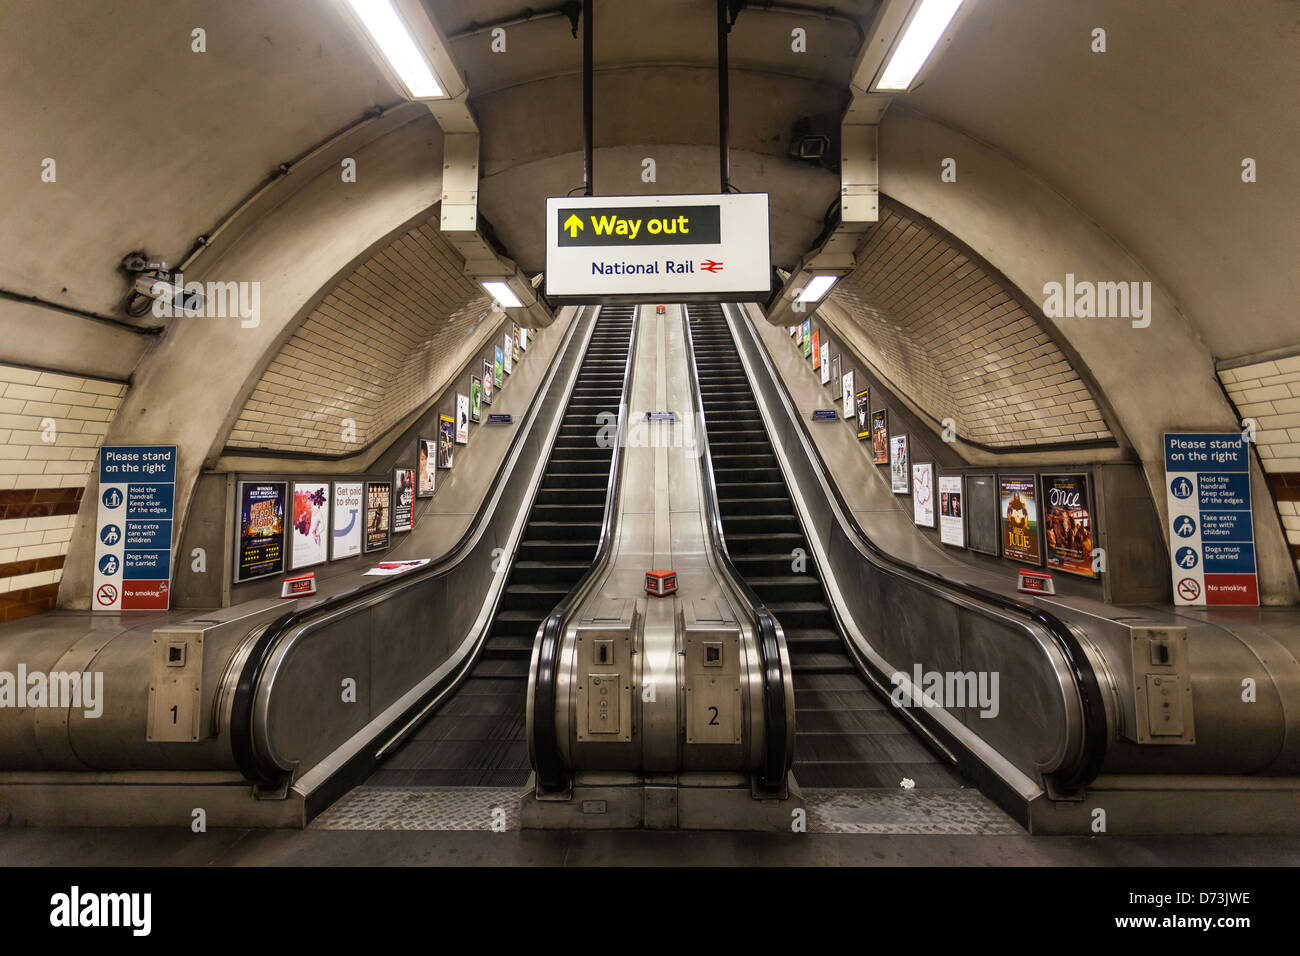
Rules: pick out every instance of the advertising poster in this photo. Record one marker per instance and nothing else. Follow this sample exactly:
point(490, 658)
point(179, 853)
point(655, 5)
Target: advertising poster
point(426, 466)
point(863, 399)
point(835, 371)
point(488, 385)
point(798, 335)
point(1211, 529)
point(817, 350)
point(475, 399)
point(259, 547)
point(952, 525)
point(403, 499)
point(462, 419)
point(378, 494)
point(446, 440)
point(523, 339)
point(846, 386)
point(133, 546)
point(311, 524)
point(347, 519)
point(923, 495)
point(826, 362)
point(983, 522)
point(1067, 520)
point(515, 343)
point(880, 437)
point(807, 337)
point(1018, 506)
point(498, 368)
point(898, 468)
point(508, 354)
point(793, 329)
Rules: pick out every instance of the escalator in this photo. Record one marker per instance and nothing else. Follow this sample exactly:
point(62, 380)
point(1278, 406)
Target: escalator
point(477, 737)
point(846, 735)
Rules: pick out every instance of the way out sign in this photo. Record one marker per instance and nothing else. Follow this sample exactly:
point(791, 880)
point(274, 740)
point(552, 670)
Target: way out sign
point(687, 248)
point(1211, 534)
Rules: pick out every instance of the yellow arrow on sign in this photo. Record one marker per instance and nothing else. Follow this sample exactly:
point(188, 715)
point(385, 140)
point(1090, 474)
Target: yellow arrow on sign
point(573, 224)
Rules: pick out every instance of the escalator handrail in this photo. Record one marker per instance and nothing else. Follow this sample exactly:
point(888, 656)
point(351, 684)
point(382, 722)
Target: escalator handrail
point(1087, 686)
point(548, 762)
point(778, 755)
point(251, 763)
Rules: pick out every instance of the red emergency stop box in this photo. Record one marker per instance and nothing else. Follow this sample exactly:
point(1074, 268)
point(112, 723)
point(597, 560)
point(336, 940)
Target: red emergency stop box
point(660, 582)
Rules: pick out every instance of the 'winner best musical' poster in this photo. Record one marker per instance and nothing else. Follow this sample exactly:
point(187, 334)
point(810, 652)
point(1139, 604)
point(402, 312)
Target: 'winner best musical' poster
point(1018, 506)
point(260, 546)
point(1068, 522)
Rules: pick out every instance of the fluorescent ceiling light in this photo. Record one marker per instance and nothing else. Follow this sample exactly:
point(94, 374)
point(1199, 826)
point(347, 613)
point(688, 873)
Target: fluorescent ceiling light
point(815, 289)
point(917, 44)
point(502, 294)
point(399, 48)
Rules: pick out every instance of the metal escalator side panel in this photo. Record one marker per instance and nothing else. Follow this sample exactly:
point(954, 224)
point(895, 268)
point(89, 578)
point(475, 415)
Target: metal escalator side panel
point(252, 710)
point(1084, 735)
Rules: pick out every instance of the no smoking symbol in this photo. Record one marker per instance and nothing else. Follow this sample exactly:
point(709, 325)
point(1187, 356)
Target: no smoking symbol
point(1189, 589)
point(106, 594)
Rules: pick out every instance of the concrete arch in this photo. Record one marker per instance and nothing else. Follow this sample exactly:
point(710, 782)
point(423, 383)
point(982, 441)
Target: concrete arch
point(1155, 379)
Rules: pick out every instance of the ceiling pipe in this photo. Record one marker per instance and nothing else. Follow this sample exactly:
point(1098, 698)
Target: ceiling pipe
point(724, 99)
point(588, 98)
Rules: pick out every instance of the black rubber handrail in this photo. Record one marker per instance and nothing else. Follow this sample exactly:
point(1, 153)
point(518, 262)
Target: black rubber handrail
point(778, 756)
point(1095, 726)
point(548, 761)
point(250, 763)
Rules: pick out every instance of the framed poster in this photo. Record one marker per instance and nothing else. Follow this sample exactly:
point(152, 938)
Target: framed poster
point(498, 368)
point(426, 466)
point(377, 514)
point(462, 419)
point(807, 337)
point(508, 354)
point(952, 525)
point(446, 440)
point(798, 335)
point(523, 339)
point(817, 350)
point(923, 495)
point(846, 386)
point(475, 400)
point(982, 520)
point(488, 386)
point(259, 543)
point(880, 436)
point(311, 524)
point(515, 340)
point(863, 402)
point(348, 519)
point(899, 473)
point(835, 371)
point(793, 329)
point(1018, 510)
point(403, 499)
point(1067, 521)
point(826, 362)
